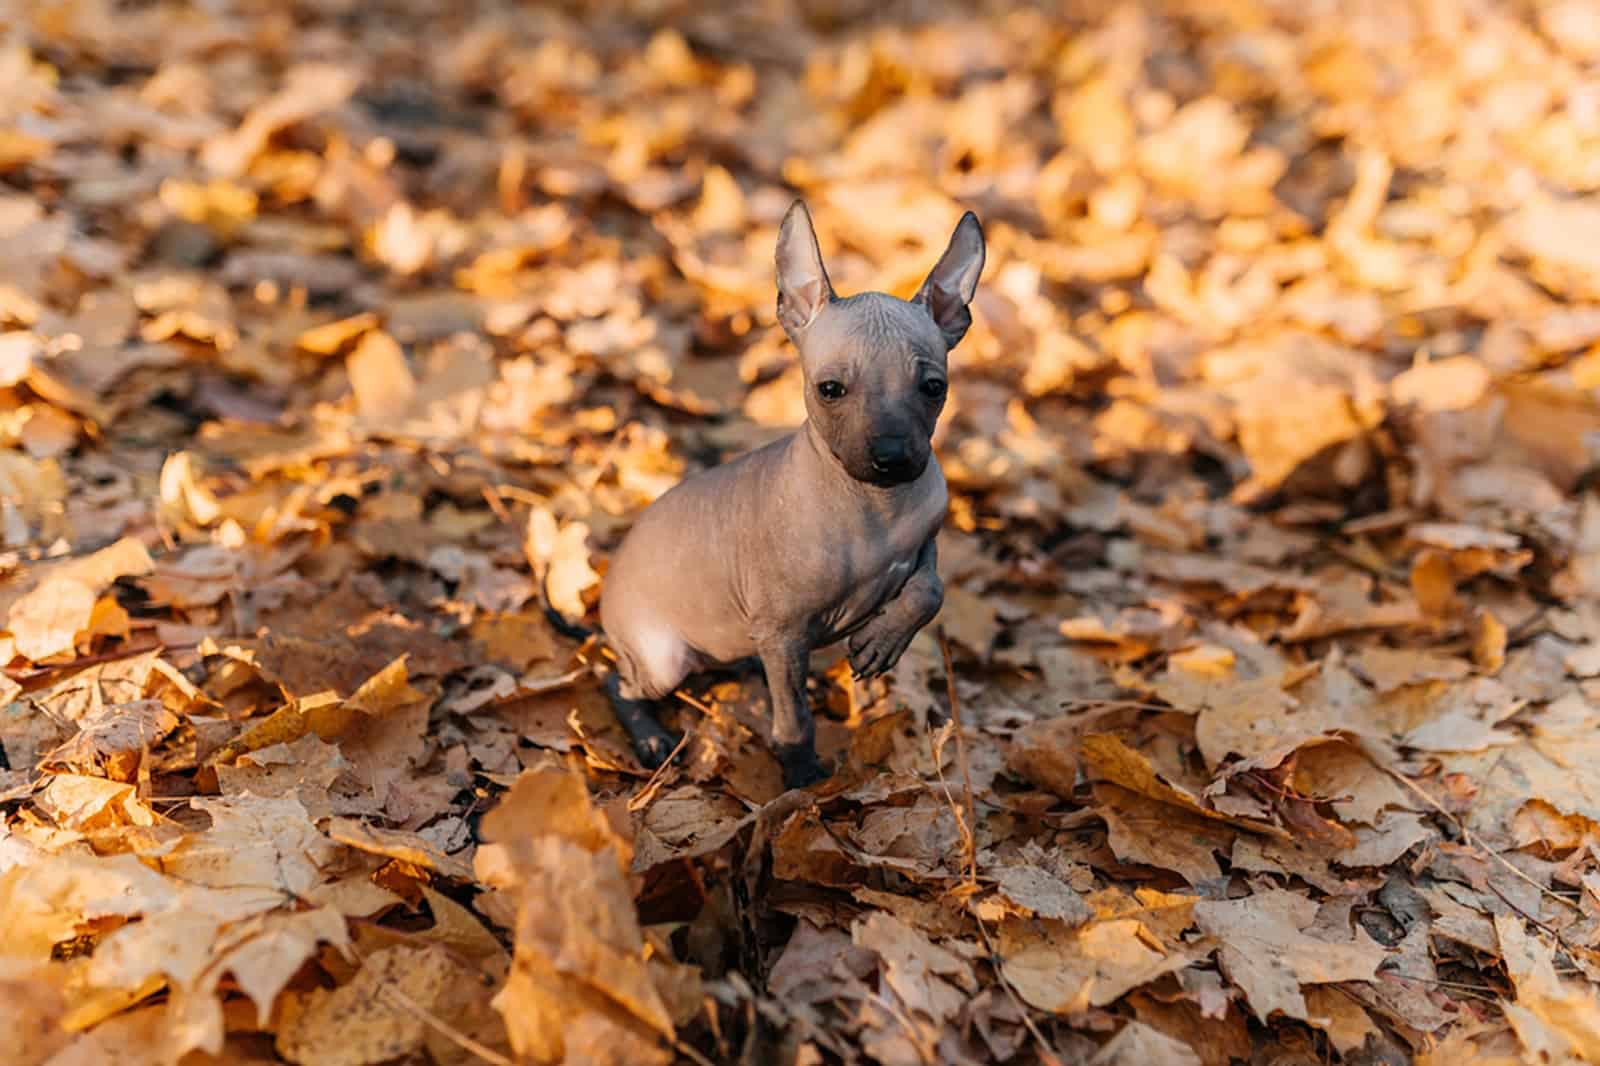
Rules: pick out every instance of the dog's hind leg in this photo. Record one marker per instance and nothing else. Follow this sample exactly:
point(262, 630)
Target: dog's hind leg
point(652, 742)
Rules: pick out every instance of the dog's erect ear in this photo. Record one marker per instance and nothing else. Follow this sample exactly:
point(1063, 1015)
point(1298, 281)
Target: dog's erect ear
point(954, 280)
point(803, 286)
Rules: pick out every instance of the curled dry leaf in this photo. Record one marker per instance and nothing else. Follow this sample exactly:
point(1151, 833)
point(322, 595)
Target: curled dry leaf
point(402, 846)
point(114, 742)
point(46, 620)
point(560, 555)
point(579, 986)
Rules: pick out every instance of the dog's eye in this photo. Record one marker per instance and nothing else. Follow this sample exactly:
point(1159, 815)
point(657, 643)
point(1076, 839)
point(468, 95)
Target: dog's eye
point(933, 388)
point(831, 390)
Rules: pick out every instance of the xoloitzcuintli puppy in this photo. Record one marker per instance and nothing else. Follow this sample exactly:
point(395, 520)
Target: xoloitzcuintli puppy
point(825, 534)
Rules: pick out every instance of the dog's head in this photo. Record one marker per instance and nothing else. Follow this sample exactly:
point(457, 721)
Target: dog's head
point(875, 366)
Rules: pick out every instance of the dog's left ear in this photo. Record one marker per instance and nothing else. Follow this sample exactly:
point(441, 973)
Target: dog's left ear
point(953, 281)
point(803, 285)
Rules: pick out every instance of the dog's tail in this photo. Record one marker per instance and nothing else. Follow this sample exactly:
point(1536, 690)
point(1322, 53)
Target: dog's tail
point(558, 621)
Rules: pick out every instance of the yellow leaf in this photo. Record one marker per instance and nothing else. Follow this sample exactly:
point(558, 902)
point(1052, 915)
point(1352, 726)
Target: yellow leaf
point(381, 379)
point(46, 621)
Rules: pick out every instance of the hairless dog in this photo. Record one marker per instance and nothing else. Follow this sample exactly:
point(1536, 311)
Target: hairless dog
point(826, 534)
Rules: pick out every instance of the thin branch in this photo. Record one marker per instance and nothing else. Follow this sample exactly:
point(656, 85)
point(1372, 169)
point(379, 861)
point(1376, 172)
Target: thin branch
point(1045, 1051)
point(648, 793)
point(688, 1052)
point(445, 1029)
point(26, 674)
point(961, 756)
point(1473, 842)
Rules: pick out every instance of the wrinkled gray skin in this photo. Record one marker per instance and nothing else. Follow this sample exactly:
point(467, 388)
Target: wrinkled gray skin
point(823, 535)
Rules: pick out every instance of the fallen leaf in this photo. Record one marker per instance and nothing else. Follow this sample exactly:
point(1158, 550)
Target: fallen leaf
point(395, 844)
point(1040, 892)
point(1139, 1045)
point(384, 386)
point(560, 553)
point(377, 1017)
point(579, 986)
point(1114, 761)
point(1066, 972)
point(254, 841)
point(1266, 950)
point(1142, 830)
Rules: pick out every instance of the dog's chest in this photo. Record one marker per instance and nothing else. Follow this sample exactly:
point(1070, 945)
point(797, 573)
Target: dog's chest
point(879, 563)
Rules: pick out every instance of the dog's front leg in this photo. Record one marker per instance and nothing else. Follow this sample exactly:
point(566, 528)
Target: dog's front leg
point(794, 733)
point(878, 645)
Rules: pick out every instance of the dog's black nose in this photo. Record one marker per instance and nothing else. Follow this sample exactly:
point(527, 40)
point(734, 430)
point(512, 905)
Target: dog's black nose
point(890, 454)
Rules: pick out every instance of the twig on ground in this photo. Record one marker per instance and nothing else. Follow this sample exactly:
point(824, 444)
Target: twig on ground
point(444, 1028)
point(971, 823)
point(22, 674)
point(653, 786)
point(1046, 1054)
point(1477, 845)
point(690, 1053)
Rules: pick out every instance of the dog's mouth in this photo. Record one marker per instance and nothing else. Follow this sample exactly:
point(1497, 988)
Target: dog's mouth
point(887, 475)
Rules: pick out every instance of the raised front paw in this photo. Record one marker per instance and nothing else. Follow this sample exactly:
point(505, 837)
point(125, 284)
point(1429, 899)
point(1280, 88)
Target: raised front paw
point(874, 651)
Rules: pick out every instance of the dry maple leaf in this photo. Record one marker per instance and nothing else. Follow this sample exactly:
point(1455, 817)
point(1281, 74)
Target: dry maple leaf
point(579, 986)
point(115, 741)
point(1069, 972)
point(257, 842)
point(382, 1014)
point(1265, 950)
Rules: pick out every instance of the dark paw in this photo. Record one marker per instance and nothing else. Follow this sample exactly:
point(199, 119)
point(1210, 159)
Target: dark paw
point(801, 767)
point(652, 751)
point(875, 655)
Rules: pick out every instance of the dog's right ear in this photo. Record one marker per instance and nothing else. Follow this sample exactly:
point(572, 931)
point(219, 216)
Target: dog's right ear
point(803, 286)
point(953, 283)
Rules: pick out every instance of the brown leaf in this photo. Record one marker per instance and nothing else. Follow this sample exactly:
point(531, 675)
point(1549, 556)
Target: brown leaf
point(561, 553)
point(1040, 892)
point(1046, 754)
point(45, 620)
point(396, 844)
point(384, 386)
point(115, 741)
point(1552, 1017)
point(1267, 952)
point(1114, 761)
point(1066, 972)
point(579, 985)
point(256, 842)
point(379, 1015)
point(1141, 830)
point(1138, 1045)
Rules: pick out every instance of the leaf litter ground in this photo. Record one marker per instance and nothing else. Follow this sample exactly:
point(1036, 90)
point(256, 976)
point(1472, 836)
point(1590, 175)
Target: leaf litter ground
point(1271, 565)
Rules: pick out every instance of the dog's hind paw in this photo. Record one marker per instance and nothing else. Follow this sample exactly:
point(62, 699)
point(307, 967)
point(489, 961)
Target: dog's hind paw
point(652, 751)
